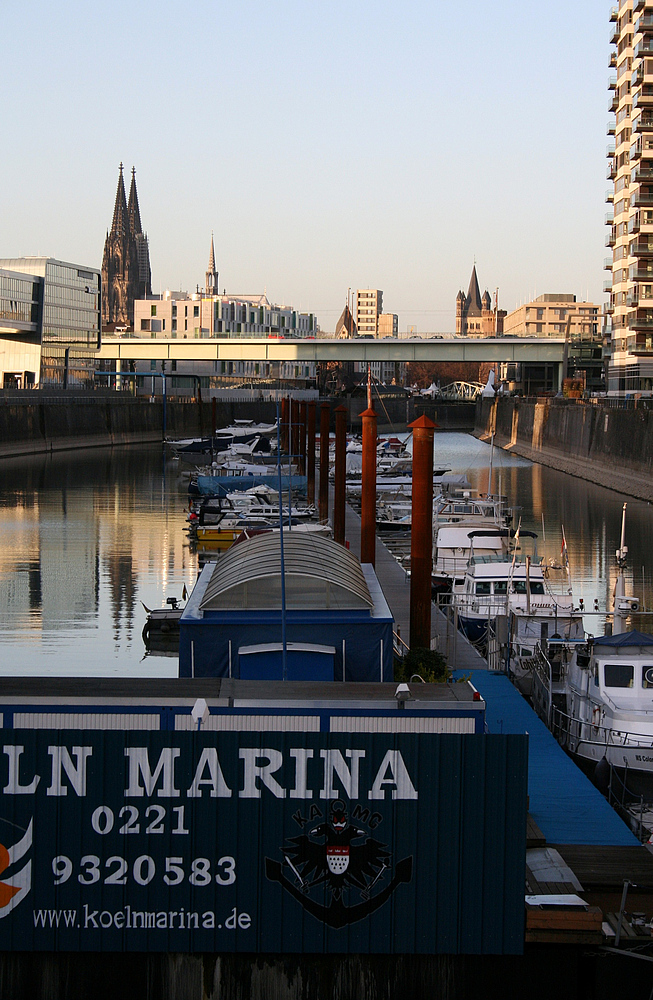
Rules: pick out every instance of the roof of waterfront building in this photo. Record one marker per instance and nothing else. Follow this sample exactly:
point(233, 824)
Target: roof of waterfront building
point(318, 573)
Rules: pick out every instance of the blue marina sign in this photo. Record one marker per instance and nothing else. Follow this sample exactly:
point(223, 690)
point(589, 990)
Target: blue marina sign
point(271, 843)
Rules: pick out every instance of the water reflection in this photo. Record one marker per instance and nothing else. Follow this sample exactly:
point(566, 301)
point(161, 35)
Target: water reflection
point(88, 536)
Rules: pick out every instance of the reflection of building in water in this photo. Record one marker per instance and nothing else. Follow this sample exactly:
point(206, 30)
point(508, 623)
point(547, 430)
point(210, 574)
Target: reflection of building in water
point(49, 563)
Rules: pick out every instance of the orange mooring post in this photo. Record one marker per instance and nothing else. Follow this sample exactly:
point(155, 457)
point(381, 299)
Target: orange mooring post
point(368, 494)
point(421, 536)
point(284, 423)
point(310, 456)
point(302, 438)
point(325, 414)
point(339, 482)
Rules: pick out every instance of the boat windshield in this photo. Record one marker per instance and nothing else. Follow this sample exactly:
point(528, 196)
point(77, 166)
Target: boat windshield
point(619, 675)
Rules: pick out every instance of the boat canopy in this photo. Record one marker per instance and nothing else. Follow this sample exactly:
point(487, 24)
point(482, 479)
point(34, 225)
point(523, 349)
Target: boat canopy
point(633, 638)
point(318, 573)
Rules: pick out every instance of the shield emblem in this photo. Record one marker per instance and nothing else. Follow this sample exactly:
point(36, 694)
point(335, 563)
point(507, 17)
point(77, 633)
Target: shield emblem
point(337, 859)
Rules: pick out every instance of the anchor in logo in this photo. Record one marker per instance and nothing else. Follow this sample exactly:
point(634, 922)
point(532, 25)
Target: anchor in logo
point(338, 855)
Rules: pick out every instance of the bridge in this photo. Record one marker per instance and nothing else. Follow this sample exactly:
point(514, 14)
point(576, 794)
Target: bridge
point(491, 349)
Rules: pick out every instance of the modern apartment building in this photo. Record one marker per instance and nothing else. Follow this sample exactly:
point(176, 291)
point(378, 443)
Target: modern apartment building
point(49, 323)
point(629, 313)
point(369, 306)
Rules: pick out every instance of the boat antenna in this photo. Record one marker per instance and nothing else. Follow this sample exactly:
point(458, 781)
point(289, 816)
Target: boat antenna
point(619, 624)
point(489, 478)
point(284, 667)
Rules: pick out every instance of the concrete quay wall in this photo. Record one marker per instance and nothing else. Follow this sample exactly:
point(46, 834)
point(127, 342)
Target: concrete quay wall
point(91, 421)
point(30, 428)
point(608, 445)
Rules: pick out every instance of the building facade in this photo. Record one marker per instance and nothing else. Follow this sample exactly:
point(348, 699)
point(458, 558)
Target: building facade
point(474, 313)
point(629, 314)
point(369, 306)
point(551, 316)
point(126, 274)
point(388, 325)
point(49, 323)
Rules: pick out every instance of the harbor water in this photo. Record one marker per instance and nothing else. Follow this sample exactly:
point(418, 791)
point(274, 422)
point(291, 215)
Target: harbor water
point(89, 538)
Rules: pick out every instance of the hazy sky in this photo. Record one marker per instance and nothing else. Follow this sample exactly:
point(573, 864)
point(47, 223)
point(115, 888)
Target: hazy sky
point(327, 144)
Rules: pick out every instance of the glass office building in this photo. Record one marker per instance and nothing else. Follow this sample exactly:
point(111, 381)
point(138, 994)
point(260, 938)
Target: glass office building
point(62, 335)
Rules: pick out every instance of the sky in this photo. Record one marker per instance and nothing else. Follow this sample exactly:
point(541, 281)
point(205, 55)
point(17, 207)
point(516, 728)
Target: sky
point(327, 145)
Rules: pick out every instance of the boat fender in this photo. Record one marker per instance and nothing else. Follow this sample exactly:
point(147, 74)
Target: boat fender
point(601, 776)
point(596, 717)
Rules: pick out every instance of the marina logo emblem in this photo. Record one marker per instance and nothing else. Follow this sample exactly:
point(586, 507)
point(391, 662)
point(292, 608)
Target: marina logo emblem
point(14, 888)
point(340, 861)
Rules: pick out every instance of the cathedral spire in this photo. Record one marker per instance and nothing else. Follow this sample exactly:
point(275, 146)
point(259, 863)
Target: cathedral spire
point(133, 209)
point(119, 224)
point(211, 286)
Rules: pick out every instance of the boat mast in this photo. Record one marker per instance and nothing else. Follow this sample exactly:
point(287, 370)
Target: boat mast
point(619, 625)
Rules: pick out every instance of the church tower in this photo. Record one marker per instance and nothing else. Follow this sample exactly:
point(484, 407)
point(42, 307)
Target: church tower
point(126, 260)
point(142, 248)
point(211, 286)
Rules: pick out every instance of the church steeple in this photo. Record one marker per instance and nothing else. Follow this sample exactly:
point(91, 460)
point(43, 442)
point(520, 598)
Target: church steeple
point(133, 209)
point(119, 223)
point(211, 286)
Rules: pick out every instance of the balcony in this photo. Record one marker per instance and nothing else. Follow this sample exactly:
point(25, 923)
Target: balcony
point(632, 300)
point(641, 274)
point(609, 149)
point(609, 218)
point(614, 13)
point(642, 100)
point(643, 124)
point(636, 322)
point(642, 200)
point(613, 105)
point(607, 286)
point(610, 238)
point(642, 174)
point(642, 249)
point(612, 62)
point(633, 224)
point(612, 171)
point(612, 83)
point(607, 264)
point(609, 195)
point(635, 151)
point(643, 49)
point(614, 34)
point(644, 24)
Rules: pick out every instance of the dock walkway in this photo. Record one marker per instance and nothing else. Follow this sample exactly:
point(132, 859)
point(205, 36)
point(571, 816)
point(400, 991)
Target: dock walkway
point(563, 802)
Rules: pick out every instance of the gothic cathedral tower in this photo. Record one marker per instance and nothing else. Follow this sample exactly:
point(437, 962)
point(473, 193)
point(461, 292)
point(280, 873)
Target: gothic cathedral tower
point(126, 260)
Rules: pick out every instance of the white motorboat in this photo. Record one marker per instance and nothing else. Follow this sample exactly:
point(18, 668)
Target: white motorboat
point(519, 590)
point(597, 696)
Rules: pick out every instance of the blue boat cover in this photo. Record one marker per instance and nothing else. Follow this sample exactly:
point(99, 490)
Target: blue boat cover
point(213, 486)
point(633, 638)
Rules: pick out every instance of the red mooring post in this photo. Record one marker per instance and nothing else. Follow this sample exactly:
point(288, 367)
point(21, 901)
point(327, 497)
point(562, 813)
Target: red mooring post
point(284, 423)
point(310, 456)
point(368, 492)
point(302, 438)
point(325, 414)
point(295, 429)
point(339, 482)
point(421, 534)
